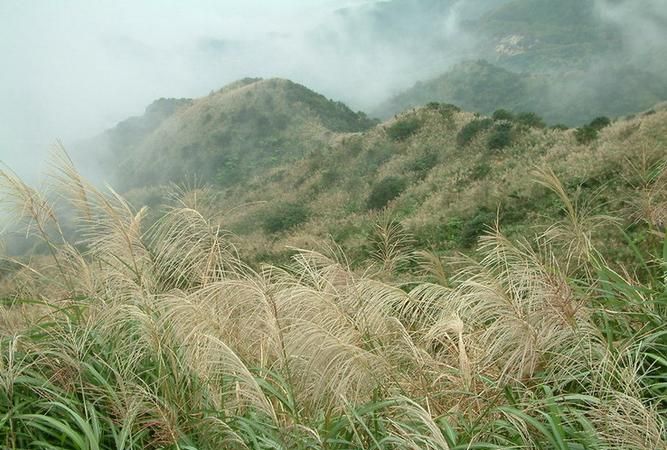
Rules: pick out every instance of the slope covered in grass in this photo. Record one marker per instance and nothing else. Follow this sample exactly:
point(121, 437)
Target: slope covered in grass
point(148, 336)
point(443, 280)
point(446, 175)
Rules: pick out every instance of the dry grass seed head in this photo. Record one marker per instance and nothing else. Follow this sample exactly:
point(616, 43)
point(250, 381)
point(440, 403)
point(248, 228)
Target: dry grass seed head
point(625, 422)
point(110, 228)
point(649, 201)
point(422, 433)
point(431, 265)
point(392, 244)
point(189, 251)
point(574, 233)
point(329, 364)
point(196, 333)
point(518, 307)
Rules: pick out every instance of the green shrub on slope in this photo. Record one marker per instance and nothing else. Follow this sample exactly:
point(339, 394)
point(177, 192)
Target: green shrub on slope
point(285, 216)
point(404, 128)
point(472, 129)
point(385, 191)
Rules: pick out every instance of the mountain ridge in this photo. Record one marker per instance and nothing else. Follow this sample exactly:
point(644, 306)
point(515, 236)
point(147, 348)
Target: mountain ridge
point(571, 99)
point(247, 125)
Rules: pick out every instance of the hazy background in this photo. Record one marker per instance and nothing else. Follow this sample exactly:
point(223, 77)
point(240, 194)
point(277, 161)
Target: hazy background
point(72, 68)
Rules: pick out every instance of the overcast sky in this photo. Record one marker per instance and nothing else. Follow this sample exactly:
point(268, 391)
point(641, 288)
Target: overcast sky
point(71, 68)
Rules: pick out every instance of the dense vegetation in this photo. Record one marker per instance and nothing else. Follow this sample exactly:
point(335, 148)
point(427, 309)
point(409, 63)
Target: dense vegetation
point(341, 315)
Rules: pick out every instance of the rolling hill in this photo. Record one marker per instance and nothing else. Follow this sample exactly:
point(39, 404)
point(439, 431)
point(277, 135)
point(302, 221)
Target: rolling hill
point(241, 129)
point(446, 175)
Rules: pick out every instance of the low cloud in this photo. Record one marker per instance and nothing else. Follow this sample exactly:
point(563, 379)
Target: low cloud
point(643, 24)
point(73, 68)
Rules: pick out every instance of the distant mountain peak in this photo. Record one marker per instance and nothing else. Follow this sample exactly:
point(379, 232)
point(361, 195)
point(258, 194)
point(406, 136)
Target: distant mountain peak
point(233, 133)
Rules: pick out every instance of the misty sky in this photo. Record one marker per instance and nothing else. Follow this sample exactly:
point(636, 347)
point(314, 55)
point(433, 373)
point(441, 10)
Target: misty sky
point(72, 68)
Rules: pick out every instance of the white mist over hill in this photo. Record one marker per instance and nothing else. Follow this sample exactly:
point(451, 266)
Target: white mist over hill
point(72, 68)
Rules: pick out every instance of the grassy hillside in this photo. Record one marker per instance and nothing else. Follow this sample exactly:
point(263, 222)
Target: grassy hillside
point(446, 176)
point(443, 280)
point(143, 335)
point(477, 86)
point(239, 130)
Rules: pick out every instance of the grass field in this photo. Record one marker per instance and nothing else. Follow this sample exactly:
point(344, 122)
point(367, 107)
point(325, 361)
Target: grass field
point(160, 336)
